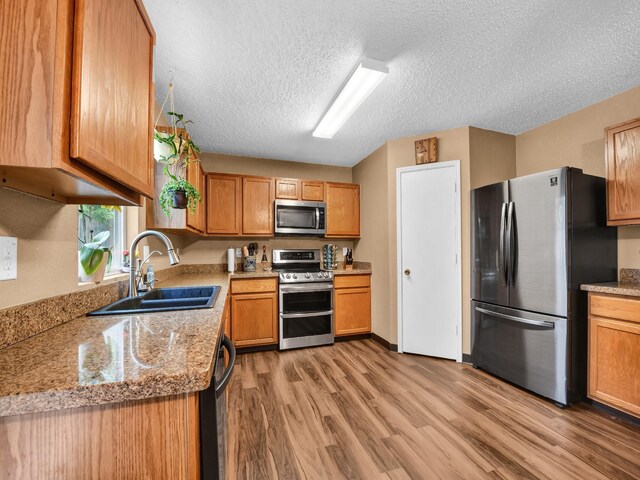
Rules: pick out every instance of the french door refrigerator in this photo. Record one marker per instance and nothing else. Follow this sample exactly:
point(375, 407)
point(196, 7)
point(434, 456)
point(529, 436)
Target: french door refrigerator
point(534, 240)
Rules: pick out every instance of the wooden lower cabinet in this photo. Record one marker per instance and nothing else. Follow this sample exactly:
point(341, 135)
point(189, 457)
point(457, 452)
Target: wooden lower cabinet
point(254, 312)
point(154, 438)
point(352, 304)
point(614, 352)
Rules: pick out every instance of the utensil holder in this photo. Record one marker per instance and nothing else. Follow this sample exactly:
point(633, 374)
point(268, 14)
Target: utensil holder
point(249, 263)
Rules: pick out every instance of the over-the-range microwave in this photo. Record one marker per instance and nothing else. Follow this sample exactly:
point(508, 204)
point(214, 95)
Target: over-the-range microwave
point(294, 217)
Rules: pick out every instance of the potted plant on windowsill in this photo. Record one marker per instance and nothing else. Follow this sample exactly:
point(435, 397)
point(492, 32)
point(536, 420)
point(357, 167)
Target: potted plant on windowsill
point(94, 257)
point(174, 149)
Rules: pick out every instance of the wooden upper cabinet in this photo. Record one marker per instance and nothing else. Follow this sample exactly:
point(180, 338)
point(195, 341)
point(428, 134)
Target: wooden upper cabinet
point(257, 206)
point(312, 191)
point(224, 204)
point(197, 220)
point(294, 189)
point(343, 210)
point(287, 188)
point(623, 173)
point(111, 95)
point(111, 46)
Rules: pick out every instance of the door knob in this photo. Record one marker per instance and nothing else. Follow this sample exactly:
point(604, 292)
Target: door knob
point(407, 271)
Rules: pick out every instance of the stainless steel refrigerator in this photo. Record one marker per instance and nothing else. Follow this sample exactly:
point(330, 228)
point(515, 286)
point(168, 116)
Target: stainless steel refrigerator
point(534, 240)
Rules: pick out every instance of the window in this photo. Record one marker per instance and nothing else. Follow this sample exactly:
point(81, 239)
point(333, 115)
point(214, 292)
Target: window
point(94, 219)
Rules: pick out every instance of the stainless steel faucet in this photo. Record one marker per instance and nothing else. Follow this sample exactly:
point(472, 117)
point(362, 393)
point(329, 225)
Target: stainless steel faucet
point(174, 259)
point(141, 284)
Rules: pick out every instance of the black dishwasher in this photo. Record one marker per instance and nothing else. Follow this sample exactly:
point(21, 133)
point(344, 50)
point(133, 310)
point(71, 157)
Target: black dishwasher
point(213, 415)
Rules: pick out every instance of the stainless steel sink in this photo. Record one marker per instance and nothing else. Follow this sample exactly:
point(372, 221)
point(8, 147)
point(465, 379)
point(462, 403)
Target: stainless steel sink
point(163, 300)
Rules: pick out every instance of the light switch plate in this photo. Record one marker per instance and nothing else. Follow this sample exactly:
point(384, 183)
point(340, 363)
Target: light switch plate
point(8, 258)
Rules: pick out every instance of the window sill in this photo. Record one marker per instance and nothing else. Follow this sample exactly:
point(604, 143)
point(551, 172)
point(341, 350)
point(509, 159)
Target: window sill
point(108, 279)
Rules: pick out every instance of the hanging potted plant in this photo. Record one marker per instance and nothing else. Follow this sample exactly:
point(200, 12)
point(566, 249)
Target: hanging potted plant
point(94, 258)
point(174, 149)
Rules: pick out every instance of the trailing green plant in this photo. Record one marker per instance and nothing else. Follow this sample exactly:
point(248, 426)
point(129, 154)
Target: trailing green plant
point(182, 149)
point(181, 152)
point(173, 186)
point(92, 253)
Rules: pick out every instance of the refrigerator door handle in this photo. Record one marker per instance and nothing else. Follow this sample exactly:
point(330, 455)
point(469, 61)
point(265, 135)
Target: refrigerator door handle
point(538, 323)
point(511, 245)
point(502, 258)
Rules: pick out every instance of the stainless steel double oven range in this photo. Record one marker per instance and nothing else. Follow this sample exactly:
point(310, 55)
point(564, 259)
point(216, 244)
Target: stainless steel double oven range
point(305, 299)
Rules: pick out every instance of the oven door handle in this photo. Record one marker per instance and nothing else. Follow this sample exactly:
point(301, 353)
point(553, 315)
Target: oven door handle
point(306, 315)
point(312, 288)
point(226, 376)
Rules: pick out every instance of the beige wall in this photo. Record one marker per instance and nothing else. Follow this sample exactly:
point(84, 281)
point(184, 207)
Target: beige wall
point(377, 177)
point(485, 157)
point(493, 157)
point(47, 231)
point(47, 247)
point(212, 250)
point(577, 140)
point(372, 174)
point(452, 145)
point(214, 162)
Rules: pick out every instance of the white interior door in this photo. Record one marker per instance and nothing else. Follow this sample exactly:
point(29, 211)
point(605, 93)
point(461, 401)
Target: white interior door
point(429, 300)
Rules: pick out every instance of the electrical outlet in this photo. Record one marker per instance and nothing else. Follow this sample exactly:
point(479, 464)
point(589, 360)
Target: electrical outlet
point(344, 251)
point(238, 252)
point(8, 258)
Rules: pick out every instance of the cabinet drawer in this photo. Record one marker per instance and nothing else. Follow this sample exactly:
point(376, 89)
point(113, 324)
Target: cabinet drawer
point(351, 281)
point(622, 308)
point(254, 285)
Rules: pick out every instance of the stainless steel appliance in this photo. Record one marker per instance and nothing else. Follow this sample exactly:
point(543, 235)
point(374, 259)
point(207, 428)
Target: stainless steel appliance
point(213, 415)
point(534, 240)
point(305, 299)
point(293, 217)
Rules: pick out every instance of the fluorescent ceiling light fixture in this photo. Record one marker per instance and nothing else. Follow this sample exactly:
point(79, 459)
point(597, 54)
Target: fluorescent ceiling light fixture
point(364, 80)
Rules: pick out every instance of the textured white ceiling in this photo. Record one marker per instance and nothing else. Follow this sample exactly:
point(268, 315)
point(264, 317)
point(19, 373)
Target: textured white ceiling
point(256, 76)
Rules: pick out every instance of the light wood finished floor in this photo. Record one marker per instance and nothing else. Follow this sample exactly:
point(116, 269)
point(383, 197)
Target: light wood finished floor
point(355, 410)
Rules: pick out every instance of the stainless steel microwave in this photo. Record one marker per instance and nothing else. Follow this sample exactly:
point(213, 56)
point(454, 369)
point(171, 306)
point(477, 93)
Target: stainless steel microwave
point(293, 217)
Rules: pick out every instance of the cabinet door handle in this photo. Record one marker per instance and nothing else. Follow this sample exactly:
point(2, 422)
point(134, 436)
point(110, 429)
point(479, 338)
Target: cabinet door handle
point(407, 272)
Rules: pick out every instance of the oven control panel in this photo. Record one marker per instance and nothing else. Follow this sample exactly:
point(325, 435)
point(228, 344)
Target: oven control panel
point(305, 277)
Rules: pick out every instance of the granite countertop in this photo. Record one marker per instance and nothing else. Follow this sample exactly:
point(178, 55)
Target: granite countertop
point(108, 359)
point(355, 271)
point(628, 285)
point(259, 273)
point(359, 268)
point(613, 288)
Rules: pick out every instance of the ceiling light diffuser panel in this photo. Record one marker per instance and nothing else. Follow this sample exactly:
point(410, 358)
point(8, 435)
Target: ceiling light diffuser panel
point(363, 81)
